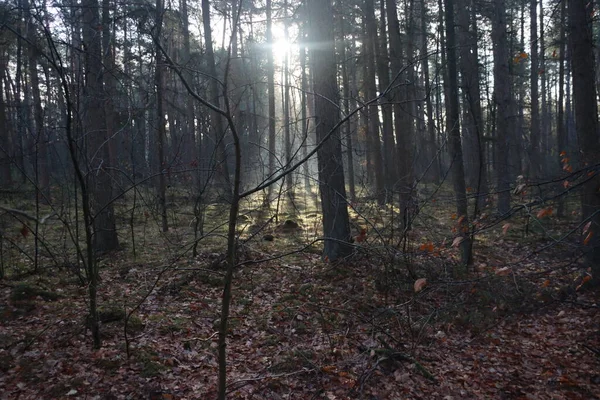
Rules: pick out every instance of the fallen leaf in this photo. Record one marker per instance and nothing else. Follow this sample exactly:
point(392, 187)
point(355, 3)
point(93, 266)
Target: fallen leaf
point(505, 228)
point(420, 284)
point(457, 240)
point(546, 283)
point(519, 188)
point(585, 279)
point(586, 227)
point(587, 239)
point(503, 271)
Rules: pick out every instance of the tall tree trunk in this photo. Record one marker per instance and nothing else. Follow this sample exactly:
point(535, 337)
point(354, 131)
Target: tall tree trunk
point(304, 112)
point(453, 128)
point(473, 124)
point(373, 132)
point(190, 155)
point(160, 167)
point(586, 119)
point(110, 83)
point(402, 122)
point(346, 106)
point(40, 140)
point(271, 94)
point(502, 98)
point(217, 125)
point(5, 142)
point(336, 224)
point(545, 119)
point(534, 139)
point(435, 172)
point(561, 131)
point(289, 179)
point(383, 73)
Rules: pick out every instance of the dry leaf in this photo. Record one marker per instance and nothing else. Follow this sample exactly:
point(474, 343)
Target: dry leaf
point(546, 283)
point(457, 240)
point(503, 271)
point(585, 280)
point(519, 188)
point(587, 239)
point(586, 228)
point(505, 228)
point(420, 284)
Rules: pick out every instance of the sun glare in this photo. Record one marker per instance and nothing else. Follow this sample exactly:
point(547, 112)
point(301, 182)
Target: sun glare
point(281, 47)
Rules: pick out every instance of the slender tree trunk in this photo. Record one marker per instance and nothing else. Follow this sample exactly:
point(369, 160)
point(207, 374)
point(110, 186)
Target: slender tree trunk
point(453, 128)
point(160, 168)
point(289, 179)
point(336, 225)
point(271, 94)
point(402, 122)
point(534, 146)
point(5, 142)
point(373, 132)
point(190, 154)
point(304, 112)
point(383, 73)
point(545, 119)
point(217, 125)
point(586, 119)
point(561, 131)
point(435, 172)
point(473, 121)
point(346, 106)
point(503, 101)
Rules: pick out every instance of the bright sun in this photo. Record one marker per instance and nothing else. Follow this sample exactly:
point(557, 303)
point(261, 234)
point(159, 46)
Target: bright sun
point(281, 47)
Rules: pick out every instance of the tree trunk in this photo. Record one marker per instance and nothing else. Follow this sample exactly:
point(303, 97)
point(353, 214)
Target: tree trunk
point(503, 102)
point(453, 128)
point(473, 124)
point(346, 105)
point(217, 125)
point(383, 73)
point(402, 122)
point(374, 144)
point(160, 167)
point(586, 119)
point(336, 225)
point(271, 94)
point(5, 146)
point(561, 131)
point(534, 138)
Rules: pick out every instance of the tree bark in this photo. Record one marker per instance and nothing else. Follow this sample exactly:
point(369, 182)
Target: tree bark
point(374, 146)
point(453, 129)
point(534, 138)
point(336, 225)
point(586, 119)
point(502, 98)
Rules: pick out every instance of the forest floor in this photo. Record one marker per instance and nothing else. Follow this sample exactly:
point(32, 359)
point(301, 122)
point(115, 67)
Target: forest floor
point(521, 325)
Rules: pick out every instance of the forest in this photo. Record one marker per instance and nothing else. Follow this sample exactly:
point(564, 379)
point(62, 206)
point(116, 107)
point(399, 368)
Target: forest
point(315, 199)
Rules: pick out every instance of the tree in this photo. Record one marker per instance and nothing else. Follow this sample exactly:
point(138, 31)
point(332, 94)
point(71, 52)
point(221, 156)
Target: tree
point(586, 119)
point(502, 99)
point(336, 226)
point(217, 125)
point(534, 156)
point(161, 181)
point(403, 127)
point(94, 123)
point(475, 160)
point(453, 128)
point(271, 91)
point(373, 142)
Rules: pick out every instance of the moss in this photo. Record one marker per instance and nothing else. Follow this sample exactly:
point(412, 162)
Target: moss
point(24, 291)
